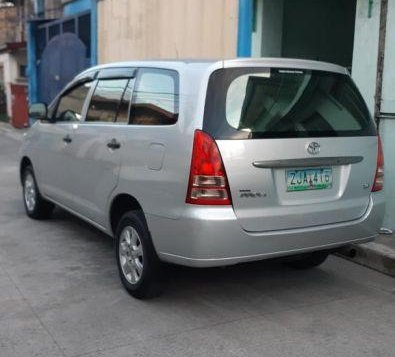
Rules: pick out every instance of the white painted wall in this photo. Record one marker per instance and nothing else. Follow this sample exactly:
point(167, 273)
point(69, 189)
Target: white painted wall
point(10, 68)
point(366, 42)
point(256, 42)
point(364, 73)
point(388, 95)
point(387, 133)
point(387, 126)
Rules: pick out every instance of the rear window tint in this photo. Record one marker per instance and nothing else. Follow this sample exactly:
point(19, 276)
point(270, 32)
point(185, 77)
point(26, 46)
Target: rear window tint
point(284, 103)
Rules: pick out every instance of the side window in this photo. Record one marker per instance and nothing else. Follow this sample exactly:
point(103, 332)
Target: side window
point(155, 99)
point(107, 100)
point(71, 104)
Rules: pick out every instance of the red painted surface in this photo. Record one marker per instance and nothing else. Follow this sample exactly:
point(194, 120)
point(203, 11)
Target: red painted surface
point(19, 115)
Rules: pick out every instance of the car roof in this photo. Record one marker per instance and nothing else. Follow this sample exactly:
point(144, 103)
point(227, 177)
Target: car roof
point(207, 64)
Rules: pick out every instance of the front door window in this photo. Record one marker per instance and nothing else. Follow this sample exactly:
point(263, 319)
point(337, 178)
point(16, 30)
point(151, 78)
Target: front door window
point(71, 104)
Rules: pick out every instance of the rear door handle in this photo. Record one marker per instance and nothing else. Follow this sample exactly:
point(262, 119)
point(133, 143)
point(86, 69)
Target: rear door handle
point(114, 144)
point(67, 139)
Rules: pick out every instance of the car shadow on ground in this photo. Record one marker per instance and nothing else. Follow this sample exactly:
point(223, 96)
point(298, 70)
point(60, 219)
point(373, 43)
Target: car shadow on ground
point(271, 277)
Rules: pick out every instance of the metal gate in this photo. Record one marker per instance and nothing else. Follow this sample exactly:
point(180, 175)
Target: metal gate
point(63, 50)
point(62, 59)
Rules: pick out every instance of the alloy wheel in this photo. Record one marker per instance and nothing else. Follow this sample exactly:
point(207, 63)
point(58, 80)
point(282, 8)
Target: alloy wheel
point(30, 192)
point(131, 254)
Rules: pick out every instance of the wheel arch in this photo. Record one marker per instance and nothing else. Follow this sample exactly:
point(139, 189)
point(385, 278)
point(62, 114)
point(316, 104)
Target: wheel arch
point(121, 204)
point(25, 162)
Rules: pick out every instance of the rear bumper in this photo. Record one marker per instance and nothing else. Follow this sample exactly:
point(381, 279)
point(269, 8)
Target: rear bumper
point(212, 236)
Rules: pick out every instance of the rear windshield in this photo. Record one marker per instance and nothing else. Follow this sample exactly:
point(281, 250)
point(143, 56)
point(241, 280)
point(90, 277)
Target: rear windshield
point(250, 103)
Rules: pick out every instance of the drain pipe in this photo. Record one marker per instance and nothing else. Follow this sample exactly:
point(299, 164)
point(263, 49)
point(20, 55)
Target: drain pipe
point(380, 61)
point(379, 77)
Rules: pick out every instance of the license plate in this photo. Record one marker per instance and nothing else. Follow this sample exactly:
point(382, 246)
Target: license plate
point(309, 179)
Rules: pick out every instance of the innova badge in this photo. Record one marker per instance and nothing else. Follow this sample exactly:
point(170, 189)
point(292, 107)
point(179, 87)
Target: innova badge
point(313, 148)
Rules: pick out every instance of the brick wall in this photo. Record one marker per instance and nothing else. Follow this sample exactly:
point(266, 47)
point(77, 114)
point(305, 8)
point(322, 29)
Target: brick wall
point(8, 25)
point(53, 9)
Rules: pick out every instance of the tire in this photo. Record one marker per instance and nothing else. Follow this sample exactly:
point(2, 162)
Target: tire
point(308, 261)
point(36, 206)
point(138, 263)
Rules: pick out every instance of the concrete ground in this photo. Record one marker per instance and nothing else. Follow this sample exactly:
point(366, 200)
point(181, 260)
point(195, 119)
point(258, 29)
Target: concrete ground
point(60, 296)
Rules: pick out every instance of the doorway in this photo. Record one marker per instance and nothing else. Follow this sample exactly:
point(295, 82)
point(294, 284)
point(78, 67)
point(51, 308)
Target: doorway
point(309, 29)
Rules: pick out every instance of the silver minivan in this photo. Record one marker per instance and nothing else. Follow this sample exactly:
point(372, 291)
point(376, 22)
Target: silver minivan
point(209, 163)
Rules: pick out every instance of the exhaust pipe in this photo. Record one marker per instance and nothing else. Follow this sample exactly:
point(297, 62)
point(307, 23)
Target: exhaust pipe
point(349, 252)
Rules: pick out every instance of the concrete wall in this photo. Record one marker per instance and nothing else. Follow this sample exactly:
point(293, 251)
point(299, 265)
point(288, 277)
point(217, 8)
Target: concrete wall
point(387, 133)
point(388, 99)
point(366, 42)
point(387, 126)
point(365, 72)
point(256, 40)
point(139, 29)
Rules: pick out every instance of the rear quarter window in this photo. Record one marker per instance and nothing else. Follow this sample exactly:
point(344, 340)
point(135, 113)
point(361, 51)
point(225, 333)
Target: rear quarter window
point(255, 103)
point(155, 99)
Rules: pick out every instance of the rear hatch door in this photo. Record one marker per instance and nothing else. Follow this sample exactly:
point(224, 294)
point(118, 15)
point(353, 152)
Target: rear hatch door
point(298, 145)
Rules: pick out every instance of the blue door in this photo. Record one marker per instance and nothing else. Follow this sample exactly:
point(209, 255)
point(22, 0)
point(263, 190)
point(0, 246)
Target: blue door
point(63, 58)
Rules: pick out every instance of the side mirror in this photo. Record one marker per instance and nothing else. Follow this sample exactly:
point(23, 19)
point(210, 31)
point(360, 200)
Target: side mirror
point(38, 111)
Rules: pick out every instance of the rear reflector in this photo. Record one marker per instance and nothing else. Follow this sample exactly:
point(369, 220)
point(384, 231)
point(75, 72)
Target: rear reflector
point(208, 184)
point(378, 184)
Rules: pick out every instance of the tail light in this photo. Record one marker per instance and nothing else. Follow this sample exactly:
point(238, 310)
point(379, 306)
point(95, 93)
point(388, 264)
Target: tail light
point(208, 184)
point(379, 178)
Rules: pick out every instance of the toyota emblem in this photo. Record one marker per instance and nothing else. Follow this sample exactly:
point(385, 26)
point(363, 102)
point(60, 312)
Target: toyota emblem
point(313, 148)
